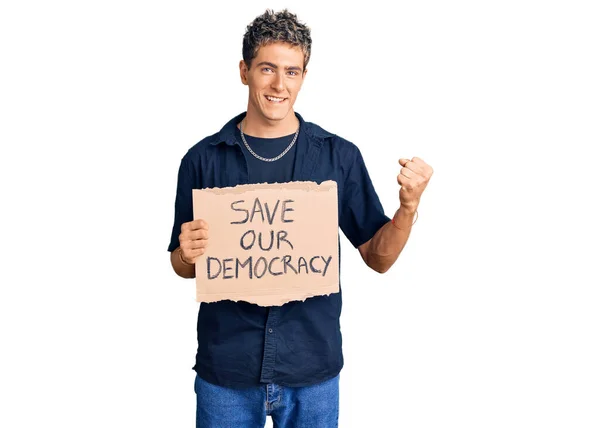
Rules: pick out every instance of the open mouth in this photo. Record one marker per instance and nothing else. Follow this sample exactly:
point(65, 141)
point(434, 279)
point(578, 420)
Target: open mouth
point(275, 100)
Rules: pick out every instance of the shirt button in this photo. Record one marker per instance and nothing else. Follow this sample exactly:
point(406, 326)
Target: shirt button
point(270, 330)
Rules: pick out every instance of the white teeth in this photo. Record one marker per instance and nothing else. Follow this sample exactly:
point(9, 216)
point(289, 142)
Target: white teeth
point(274, 99)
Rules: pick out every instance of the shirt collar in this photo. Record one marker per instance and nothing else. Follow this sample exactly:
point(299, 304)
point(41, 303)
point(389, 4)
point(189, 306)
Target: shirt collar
point(227, 133)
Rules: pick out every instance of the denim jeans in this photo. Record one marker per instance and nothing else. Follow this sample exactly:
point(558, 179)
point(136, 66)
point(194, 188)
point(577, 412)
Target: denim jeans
point(315, 406)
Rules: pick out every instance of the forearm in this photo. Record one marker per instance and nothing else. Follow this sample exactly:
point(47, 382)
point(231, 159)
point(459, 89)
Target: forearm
point(387, 244)
point(182, 269)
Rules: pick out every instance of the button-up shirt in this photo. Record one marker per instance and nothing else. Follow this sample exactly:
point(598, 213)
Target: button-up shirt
point(299, 343)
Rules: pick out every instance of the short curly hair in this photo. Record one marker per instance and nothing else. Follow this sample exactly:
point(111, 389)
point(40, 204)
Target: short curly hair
point(273, 27)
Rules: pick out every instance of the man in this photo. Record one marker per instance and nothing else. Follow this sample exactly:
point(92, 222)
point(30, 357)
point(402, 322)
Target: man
point(282, 361)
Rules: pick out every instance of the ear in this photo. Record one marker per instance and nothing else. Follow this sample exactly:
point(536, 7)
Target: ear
point(244, 72)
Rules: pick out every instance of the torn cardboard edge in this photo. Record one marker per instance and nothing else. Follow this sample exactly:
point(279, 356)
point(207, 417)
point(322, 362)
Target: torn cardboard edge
point(266, 299)
point(308, 186)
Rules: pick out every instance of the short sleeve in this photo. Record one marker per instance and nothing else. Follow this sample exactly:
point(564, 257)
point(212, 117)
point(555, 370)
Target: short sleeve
point(362, 213)
point(183, 201)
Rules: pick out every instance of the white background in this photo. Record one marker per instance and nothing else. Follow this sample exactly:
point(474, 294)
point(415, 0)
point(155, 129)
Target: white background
point(490, 318)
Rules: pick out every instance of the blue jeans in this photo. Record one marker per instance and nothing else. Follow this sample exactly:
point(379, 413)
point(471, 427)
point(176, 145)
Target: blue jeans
point(315, 406)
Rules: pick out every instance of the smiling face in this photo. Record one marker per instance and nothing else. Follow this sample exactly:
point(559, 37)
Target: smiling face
point(274, 79)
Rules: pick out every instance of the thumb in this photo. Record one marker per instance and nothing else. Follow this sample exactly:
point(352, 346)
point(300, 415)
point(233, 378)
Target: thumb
point(403, 161)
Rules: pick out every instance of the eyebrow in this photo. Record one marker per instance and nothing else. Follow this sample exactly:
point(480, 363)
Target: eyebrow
point(270, 64)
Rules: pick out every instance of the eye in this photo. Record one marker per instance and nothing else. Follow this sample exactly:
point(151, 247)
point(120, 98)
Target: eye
point(293, 73)
point(267, 69)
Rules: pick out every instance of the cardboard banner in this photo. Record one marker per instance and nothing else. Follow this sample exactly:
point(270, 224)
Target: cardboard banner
point(268, 243)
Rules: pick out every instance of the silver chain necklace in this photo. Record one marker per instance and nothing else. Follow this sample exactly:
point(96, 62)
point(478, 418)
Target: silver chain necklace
point(268, 159)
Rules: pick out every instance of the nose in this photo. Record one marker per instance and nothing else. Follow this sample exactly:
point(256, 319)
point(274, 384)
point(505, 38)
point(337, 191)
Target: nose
point(277, 82)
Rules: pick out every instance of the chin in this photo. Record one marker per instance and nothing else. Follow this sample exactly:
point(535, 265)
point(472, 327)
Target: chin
point(280, 115)
point(277, 117)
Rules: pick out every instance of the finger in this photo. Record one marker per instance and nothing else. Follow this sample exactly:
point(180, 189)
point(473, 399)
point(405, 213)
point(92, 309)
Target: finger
point(403, 180)
point(407, 173)
point(196, 234)
point(188, 236)
point(198, 252)
point(403, 161)
point(199, 243)
point(422, 167)
point(415, 167)
point(194, 225)
point(192, 255)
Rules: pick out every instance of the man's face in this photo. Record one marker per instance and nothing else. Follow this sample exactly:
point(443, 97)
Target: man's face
point(274, 80)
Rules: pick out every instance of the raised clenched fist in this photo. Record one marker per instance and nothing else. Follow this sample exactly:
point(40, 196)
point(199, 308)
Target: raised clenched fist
point(413, 178)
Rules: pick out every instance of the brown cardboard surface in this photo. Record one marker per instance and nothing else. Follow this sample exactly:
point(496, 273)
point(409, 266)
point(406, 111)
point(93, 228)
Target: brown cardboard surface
point(287, 232)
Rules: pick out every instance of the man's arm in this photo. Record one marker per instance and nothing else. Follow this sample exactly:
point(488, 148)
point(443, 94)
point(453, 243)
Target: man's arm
point(180, 267)
point(381, 251)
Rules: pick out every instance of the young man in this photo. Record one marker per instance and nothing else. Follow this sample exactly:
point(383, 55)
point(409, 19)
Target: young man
point(282, 361)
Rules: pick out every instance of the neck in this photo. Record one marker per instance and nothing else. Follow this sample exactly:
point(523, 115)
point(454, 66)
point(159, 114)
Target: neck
point(260, 127)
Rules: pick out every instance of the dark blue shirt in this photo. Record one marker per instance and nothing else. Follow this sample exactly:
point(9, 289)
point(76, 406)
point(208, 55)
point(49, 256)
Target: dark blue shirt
point(241, 344)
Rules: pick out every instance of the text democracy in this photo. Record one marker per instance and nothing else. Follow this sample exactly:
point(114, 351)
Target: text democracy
point(254, 267)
